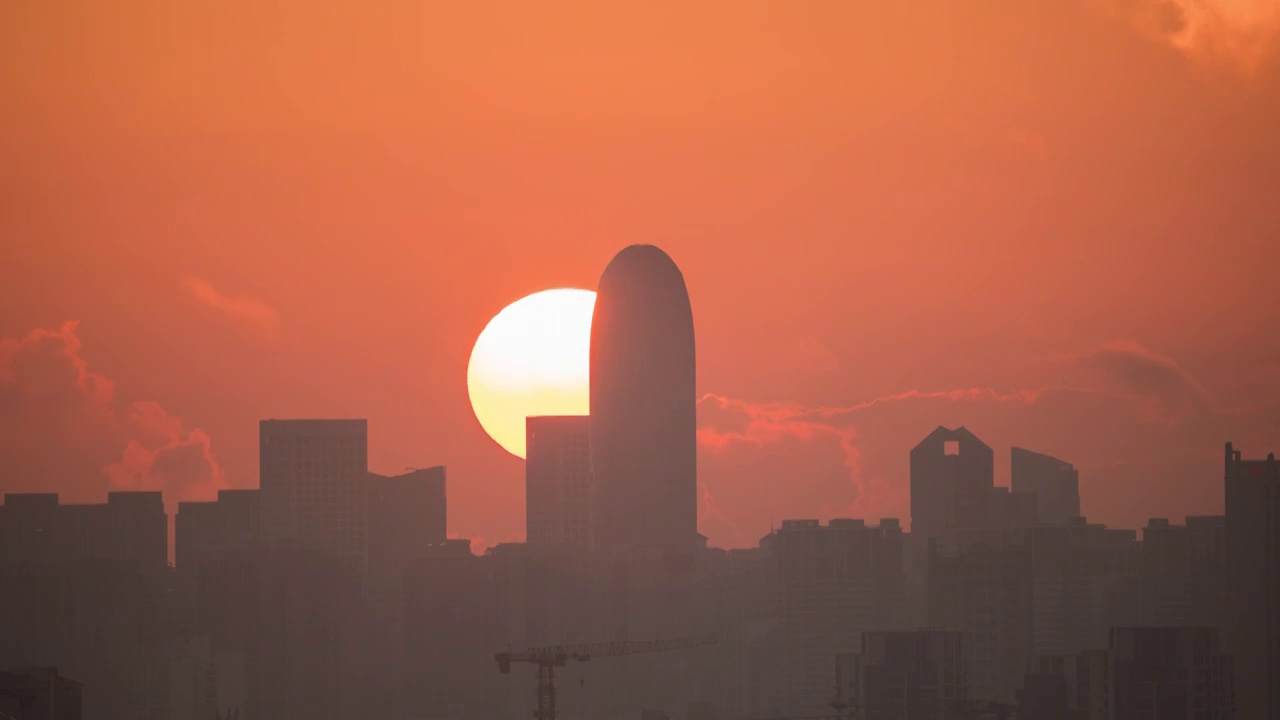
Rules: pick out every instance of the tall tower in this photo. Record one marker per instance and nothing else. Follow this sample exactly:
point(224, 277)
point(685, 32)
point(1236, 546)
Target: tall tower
point(643, 404)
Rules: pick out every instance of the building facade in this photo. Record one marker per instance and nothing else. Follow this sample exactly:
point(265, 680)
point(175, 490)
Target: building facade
point(559, 496)
point(1055, 483)
point(952, 474)
point(1253, 582)
point(834, 582)
point(909, 674)
point(312, 476)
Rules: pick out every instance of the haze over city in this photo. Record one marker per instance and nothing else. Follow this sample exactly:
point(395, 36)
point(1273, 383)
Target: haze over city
point(1049, 226)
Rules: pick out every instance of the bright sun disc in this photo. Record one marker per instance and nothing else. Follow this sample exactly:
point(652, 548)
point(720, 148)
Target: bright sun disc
point(532, 359)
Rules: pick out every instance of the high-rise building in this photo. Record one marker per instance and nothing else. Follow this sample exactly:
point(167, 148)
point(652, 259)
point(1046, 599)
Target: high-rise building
point(915, 674)
point(1207, 535)
point(408, 516)
point(557, 483)
point(834, 582)
point(202, 529)
point(1055, 483)
point(85, 588)
point(984, 588)
point(1183, 575)
point(130, 528)
point(952, 476)
point(643, 405)
point(1253, 582)
point(1079, 572)
point(1156, 673)
point(312, 475)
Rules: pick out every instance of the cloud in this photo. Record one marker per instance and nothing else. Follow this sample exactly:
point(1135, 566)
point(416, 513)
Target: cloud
point(1166, 390)
point(1243, 33)
point(62, 429)
point(1145, 433)
point(250, 310)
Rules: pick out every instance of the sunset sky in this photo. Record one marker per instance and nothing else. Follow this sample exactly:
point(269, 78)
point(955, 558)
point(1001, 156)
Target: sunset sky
point(1056, 223)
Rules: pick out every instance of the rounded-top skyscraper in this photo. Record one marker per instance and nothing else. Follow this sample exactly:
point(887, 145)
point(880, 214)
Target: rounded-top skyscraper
point(643, 405)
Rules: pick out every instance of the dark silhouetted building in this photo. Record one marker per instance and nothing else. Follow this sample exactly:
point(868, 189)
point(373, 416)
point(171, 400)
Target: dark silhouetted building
point(204, 529)
point(908, 674)
point(312, 476)
point(1158, 673)
point(1074, 687)
point(1084, 581)
point(451, 632)
point(557, 483)
point(982, 587)
point(1253, 582)
point(952, 474)
point(643, 405)
point(84, 589)
point(1054, 482)
point(835, 582)
point(1004, 509)
point(1207, 535)
point(38, 694)
point(408, 518)
point(1183, 573)
point(130, 528)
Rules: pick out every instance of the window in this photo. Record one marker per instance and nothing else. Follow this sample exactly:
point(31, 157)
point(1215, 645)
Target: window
point(951, 447)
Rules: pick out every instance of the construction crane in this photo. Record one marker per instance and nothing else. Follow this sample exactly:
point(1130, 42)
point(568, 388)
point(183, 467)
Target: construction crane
point(553, 656)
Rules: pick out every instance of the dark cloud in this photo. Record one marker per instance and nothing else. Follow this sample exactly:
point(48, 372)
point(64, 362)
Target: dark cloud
point(1169, 392)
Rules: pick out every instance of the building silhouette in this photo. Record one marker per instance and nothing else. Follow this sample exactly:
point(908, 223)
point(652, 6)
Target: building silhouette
point(408, 518)
point(207, 529)
point(557, 483)
point(1054, 482)
point(1183, 574)
point(85, 588)
point(908, 674)
point(312, 475)
point(38, 694)
point(983, 587)
point(643, 405)
point(1168, 673)
point(1253, 582)
point(834, 582)
point(952, 474)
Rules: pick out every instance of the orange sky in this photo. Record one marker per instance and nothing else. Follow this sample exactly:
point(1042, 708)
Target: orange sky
point(1053, 222)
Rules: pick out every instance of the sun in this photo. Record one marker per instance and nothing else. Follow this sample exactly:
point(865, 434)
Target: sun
point(533, 358)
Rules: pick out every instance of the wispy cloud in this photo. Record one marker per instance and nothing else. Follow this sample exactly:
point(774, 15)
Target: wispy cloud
point(247, 309)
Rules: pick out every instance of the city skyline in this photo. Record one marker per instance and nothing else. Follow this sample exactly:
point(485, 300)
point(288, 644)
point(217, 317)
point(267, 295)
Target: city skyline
point(715, 360)
point(1051, 224)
